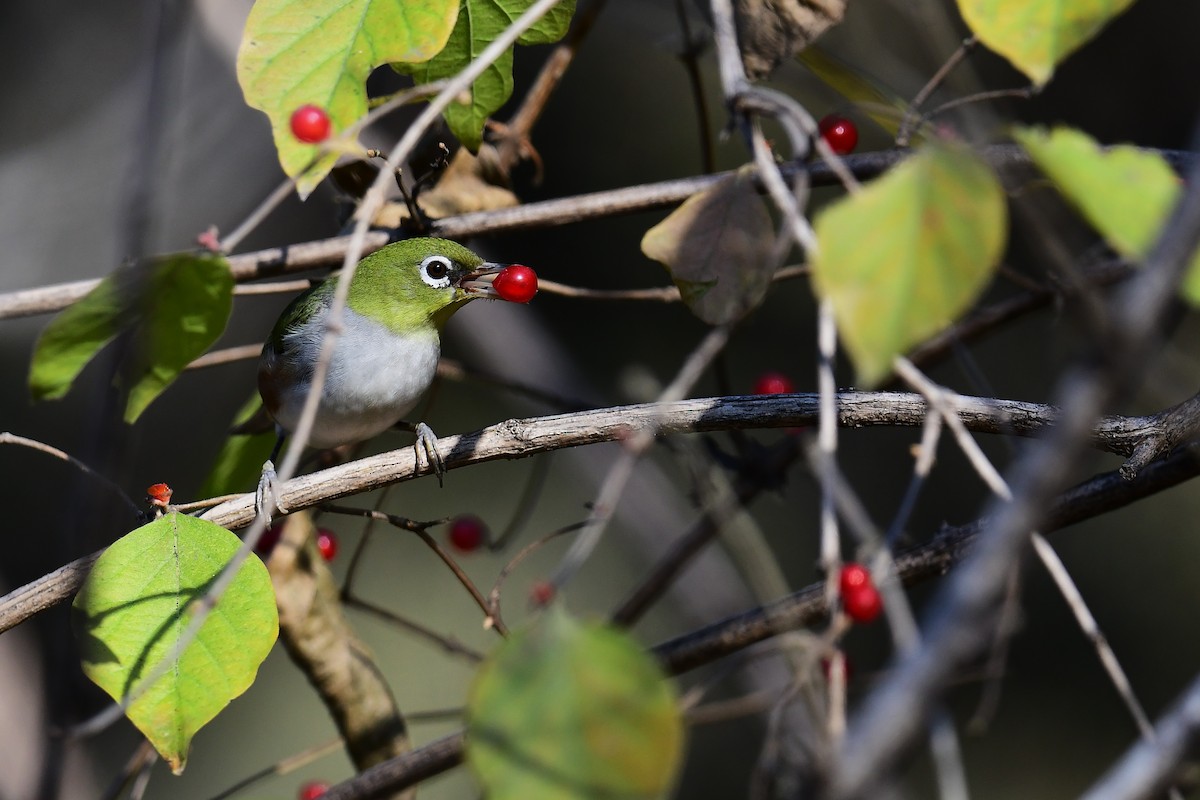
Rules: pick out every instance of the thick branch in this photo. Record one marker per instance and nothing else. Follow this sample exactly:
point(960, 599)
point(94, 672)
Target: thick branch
point(546, 214)
point(521, 438)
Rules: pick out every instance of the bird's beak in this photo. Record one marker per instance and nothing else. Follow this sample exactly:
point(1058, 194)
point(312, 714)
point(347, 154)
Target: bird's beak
point(478, 282)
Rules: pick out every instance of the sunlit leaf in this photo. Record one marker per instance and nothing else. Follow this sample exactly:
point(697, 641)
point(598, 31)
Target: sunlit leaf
point(1037, 35)
point(297, 52)
point(903, 258)
point(478, 24)
point(571, 711)
point(134, 607)
point(718, 248)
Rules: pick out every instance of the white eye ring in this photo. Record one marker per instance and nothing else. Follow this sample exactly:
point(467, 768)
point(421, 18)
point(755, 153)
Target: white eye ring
point(435, 271)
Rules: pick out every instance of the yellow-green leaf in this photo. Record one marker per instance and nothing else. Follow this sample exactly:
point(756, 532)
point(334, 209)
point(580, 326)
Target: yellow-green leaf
point(1123, 192)
point(296, 52)
point(571, 711)
point(718, 248)
point(478, 24)
point(1037, 35)
point(132, 612)
point(904, 257)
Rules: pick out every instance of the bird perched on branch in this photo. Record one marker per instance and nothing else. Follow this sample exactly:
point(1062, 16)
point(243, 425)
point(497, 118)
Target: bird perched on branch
point(387, 353)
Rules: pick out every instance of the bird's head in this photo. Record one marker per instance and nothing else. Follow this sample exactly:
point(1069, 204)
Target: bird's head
point(415, 283)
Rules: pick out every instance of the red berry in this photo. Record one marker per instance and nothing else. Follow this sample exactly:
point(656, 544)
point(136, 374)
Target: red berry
point(312, 790)
point(270, 537)
point(310, 124)
point(839, 133)
point(862, 604)
point(467, 532)
point(541, 593)
point(159, 495)
point(773, 383)
point(327, 543)
point(516, 283)
point(853, 577)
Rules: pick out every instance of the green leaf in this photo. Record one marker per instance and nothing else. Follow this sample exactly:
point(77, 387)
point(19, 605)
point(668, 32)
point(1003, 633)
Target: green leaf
point(184, 311)
point(134, 607)
point(1037, 35)
point(77, 334)
point(479, 22)
point(569, 710)
point(174, 308)
point(296, 52)
point(1124, 193)
point(239, 464)
point(718, 248)
point(904, 257)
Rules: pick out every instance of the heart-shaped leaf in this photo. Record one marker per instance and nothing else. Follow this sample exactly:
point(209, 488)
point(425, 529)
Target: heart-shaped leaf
point(1037, 35)
point(135, 606)
point(901, 259)
point(718, 248)
point(478, 24)
point(299, 52)
point(1124, 192)
point(566, 711)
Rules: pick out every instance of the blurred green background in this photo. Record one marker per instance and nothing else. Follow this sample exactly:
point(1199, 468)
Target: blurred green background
point(75, 80)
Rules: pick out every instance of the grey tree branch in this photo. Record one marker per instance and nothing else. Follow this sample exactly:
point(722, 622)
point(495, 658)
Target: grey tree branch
point(549, 213)
point(520, 438)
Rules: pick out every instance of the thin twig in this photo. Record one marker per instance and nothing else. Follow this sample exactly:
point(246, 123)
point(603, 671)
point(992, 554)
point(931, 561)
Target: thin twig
point(448, 644)
point(283, 766)
point(419, 528)
point(619, 474)
point(493, 598)
point(939, 77)
point(33, 444)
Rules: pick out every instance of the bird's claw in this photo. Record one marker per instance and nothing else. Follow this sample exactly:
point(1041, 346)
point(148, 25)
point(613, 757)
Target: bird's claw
point(266, 499)
point(426, 446)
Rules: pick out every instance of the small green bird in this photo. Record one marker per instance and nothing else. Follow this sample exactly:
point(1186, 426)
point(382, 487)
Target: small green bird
point(387, 354)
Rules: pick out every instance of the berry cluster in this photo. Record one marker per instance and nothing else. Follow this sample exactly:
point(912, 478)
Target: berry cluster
point(860, 598)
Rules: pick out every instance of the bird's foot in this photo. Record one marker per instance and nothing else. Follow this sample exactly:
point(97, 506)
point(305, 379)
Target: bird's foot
point(426, 446)
point(266, 499)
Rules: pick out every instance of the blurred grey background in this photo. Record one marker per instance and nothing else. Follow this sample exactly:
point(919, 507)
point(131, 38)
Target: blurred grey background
point(79, 129)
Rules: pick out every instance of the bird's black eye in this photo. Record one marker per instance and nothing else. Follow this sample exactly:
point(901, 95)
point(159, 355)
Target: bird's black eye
point(435, 271)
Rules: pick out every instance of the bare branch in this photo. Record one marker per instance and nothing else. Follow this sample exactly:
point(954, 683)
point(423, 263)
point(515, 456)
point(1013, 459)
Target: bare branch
point(520, 438)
